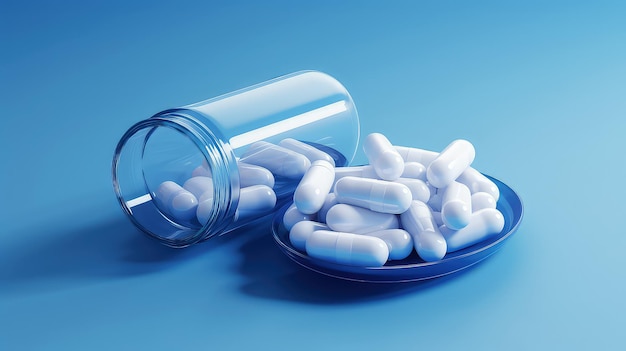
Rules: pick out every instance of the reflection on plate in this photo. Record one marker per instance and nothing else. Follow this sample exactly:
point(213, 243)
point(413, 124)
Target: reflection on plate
point(411, 268)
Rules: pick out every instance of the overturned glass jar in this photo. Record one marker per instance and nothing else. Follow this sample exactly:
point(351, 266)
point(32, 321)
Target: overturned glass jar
point(190, 173)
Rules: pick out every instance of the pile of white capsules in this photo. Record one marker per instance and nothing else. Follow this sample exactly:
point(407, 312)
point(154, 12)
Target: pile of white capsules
point(259, 168)
point(362, 216)
point(405, 198)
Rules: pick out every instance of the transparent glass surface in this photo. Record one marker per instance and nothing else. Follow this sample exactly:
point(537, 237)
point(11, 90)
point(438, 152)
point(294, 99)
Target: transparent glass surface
point(208, 139)
point(412, 268)
point(156, 153)
point(308, 105)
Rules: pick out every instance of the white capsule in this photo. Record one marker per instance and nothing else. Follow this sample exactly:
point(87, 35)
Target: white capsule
point(376, 195)
point(301, 231)
point(314, 186)
point(204, 210)
point(183, 205)
point(483, 224)
point(410, 154)
point(430, 246)
point(207, 195)
point(165, 192)
point(176, 201)
point(450, 163)
point(482, 200)
point(250, 175)
point(280, 161)
point(383, 157)
point(198, 186)
point(255, 200)
point(293, 216)
point(330, 201)
point(456, 205)
point(311, 152)
point(366, 171)
point(477, 182)
point(418, 218)
point(419, 189)
point(347, 248)
point(414, 170)
point(201, 171)
point(354, 219)
point(398, 241)
point(428, 241)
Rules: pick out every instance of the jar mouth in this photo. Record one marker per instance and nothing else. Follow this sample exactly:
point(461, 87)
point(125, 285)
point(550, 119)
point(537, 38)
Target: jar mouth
point(171, 148)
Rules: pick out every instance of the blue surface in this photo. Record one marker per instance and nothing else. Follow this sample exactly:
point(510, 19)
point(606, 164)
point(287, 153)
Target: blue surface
point(538, 88)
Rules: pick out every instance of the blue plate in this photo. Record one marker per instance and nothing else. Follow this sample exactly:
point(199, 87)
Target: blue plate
point(412, 268)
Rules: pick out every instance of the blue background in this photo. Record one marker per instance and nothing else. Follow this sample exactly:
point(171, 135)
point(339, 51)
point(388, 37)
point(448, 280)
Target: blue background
point(538, 88)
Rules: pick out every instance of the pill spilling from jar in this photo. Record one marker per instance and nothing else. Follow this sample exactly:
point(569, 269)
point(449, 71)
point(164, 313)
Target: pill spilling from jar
point(281, 148)
point(361, 216)
point(273, 124)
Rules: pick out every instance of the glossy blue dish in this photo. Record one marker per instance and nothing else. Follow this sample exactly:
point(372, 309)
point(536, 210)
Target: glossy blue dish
point(412, 268)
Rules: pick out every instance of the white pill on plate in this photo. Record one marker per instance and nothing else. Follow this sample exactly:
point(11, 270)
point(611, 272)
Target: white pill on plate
point(376, 195)
point(293, 216)
point(386, 161)
point(478, 182)
point(483, 224)
point(347, 248)
point(482, 200)
point(398, 241)
point(450, 163)
point(330, 201)
point(419, 189)
point(427, 240)
point(366, 171)
point(414, 170)
point(314, 186)
point(250, 175)
point(456, 206)
point(311, 152)
point(301, 231)
point(430, 245)
point(278, 160)
point(410, 154)
point(359, 220)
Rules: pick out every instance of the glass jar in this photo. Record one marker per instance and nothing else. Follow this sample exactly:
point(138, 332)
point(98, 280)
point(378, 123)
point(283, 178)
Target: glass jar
point(213, 139)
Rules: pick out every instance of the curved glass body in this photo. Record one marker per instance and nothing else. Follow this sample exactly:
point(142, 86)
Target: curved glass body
point(214, 134)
